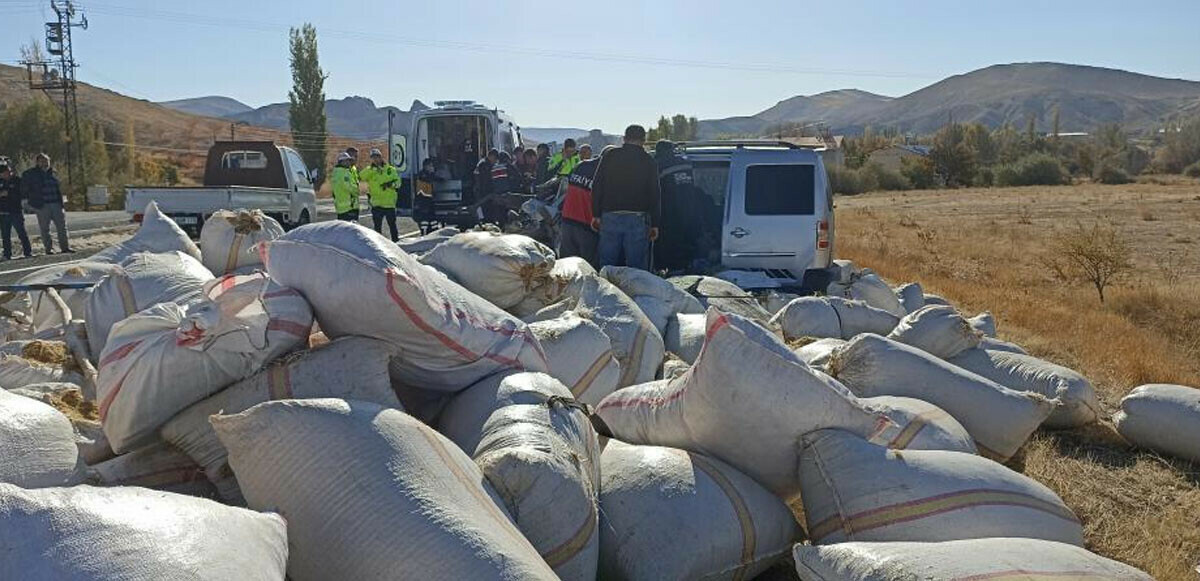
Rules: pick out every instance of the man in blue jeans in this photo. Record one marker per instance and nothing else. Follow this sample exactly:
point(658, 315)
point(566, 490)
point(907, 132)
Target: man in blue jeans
point(626, 203)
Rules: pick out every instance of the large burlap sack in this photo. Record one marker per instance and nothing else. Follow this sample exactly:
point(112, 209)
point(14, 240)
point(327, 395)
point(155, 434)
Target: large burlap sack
point(854, 490)
point(658, 299)
point(932, 299)
point(722, 294)
point(359, 283)
point(165, 358)
point(158, 233)
point(1164, 418)
point(463, 418)
point(91, 441)
point(746, 401)
point(994, 344)
point(636, 343)
point(37, 445)
point(817, 353)
point(938, 330)
point(127, 533)
point(998, 418)
point(969, 559)
point(160, 466)
point(501, 268)
point(347, 368)
point(673, 367)
point(32, 362)
point(911, 296)
point(229, 239)
point(670, 514)
point(543, 460)
point(984, 323)
point(685, 336)
point(832, 317)
point(420, 508)
point(1021, 372)
point(869, 288)
point(580, 355)
point(776, 300)
point(42, 311)
point(137, 283)
point(557, 293)
point(422, 244)
point(923, 426)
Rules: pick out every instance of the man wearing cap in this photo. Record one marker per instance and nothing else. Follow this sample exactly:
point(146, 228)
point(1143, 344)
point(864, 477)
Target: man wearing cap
point(382, 181)
point(39, 185)
point(345, 188)
point(11, 216)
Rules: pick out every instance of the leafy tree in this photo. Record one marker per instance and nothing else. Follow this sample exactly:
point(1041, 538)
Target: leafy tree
point(979, 139)
point(919, 171)
point(306, 113)
point(952, 156)
point(1181, 146)
point(1098, 254)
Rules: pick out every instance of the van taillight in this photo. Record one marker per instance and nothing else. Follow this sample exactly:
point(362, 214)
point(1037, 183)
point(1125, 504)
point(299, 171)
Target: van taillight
point(137, 218)
point(823, 235)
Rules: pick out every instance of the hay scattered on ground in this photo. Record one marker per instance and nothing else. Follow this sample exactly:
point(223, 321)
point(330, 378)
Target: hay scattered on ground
point(48, 352)
point(72, 404)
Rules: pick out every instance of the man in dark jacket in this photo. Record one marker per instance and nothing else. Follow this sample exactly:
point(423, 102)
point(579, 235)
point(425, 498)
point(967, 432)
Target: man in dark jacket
point(40, 186)
point(673, 251)
point(11, 215)
point(625, 203)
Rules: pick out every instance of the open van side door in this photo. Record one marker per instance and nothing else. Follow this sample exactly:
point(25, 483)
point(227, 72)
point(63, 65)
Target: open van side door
point(770, 213)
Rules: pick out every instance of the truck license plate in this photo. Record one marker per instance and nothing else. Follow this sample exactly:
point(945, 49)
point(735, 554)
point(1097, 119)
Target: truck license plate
point(185, 220)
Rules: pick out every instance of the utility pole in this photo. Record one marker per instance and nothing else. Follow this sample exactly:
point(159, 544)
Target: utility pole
point(52, 76)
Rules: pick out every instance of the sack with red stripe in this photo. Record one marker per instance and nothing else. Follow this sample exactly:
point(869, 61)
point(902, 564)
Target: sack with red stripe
point(348, 368)
point(923, 426)
point(160, 466)
point(360, 283)
point(229, 239)
point(138, 282)
point(501, 268)
point(974, 559)
point(854, 490)
point(636, 343)
point(746, 401)
point(167, 357)
point(580, 355)
point(670, 514)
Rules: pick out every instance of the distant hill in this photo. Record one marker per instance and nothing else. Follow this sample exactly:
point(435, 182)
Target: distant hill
point(1086, 97)
point(551, 134)
point(211, 106)
point(355, 117)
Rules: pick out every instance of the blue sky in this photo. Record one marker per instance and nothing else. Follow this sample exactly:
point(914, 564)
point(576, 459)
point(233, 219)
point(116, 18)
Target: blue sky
point(601, 64)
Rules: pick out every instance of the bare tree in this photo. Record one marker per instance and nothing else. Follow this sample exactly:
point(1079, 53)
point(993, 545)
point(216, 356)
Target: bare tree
point(1098, 254)
point(32, 52)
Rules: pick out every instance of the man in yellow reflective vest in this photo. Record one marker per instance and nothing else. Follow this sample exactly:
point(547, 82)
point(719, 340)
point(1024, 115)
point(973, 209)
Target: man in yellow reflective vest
point(382, 181)
point(345, 188)
point(562, 164)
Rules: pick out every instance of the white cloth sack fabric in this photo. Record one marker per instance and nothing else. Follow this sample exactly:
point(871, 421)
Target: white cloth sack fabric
point(685, 336)
point(501, 268)
point(543, 460)
point(158, 233)
point(359, 283)
point(817, 353)
point(463, 418)
point(41, 309)
point(138, 282)
point(1021, 372)
point(670, 514)
point(870, 289)
point(746, 401)
point(563, 284)
point(658, 299)
point(984, 323)
point(854, 490)
point(722, 294)
point(160, 466)
point(91, 441)
point(580, 355)
point(636, 343)
point(968, 559)
point(229, 239)
point(994, 344)
point(126, 533)
point(999, 419)
point(672, 368)
point(776, 300)
point(932, 299)
point(1164, 418)
point(165, 358)
point(923, 426)
point(832, 317)
point(348, 368)
point(420, 508)
point(422, 244)
point(938, 330)
point(37, 445)
point(911, 296)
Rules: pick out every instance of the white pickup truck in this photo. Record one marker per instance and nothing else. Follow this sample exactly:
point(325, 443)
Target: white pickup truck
point(252, 175)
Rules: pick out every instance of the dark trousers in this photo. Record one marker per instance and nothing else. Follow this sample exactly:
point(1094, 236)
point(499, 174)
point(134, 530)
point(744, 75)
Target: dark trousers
point(378, 215)
point(351, 216)
point(8, 223)
point(576, 239)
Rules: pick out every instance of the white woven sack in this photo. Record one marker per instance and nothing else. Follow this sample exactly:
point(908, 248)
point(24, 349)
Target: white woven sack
point(923, 426)
point(18, 371)
point(817, 353)
point(776, 300)
point(832, 317)
point(685, 336)
point(158, 233)
point(670, 514)
point(932, 299)
point(359, 283)
point(501, 268)
point(463, 418)
point(998, 418)
point(1164, 418)
point(37, 445)
point(563, 283)
point(636, 343)
point(42, 311)
point(229, 239)
point(911, 296)
point(134, 534)
point(165, 358)
point(746, 401)
point(938, 330)
point(422, 244)
point(138, 282)
point(722, 294)
point(420, 508)
point(870, 289)
point(347, 368)
point(160, 466)
point(854, 490)
point(984, 323)
point(580, 355)
point(658, 299)
point(970, 559)
point(994, 344)
point(1021, 372)
point(672, 368)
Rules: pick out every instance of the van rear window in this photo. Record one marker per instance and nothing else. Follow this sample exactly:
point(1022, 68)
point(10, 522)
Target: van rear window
point(780, 190)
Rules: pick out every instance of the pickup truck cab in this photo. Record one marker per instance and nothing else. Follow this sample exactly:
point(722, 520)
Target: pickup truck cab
point(251, 175)
point(773, 206)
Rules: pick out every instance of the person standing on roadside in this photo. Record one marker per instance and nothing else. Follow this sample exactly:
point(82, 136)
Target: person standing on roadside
point(626, 208)
point(675, 248)
point(576, 237)
point(11, 215)
point(382, 181)
point(39, 185)
point(345, 188)
point(542, 168)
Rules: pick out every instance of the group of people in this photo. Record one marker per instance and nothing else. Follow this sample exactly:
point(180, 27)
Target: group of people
point(382, 182)
point(39, 187)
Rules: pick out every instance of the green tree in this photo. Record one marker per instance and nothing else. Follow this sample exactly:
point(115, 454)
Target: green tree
point(979, 139)
point(306, 113)
point(679, 127)
point(1181, 146)
point(952, 156)
point(663, 128)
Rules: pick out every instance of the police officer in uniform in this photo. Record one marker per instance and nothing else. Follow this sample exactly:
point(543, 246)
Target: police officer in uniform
point(345, 188)
point(674, 248)
point(382, 182)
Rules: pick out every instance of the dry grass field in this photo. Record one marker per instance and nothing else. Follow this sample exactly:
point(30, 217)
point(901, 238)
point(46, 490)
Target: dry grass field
point(985, 249)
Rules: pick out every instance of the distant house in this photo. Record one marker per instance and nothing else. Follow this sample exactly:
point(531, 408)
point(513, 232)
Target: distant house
point(829, 146)
point(892, 157)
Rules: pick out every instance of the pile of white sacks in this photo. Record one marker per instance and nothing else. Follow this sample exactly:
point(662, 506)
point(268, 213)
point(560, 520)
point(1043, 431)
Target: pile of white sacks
point(332, 406)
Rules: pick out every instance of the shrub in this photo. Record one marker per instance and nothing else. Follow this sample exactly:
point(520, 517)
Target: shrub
point(919, 171)
point(846, 181)
point(1112, 174)
point(1035, 169)
point(1192, 171)
point(882, 178)
point(1098, 253)
point(985, 177)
